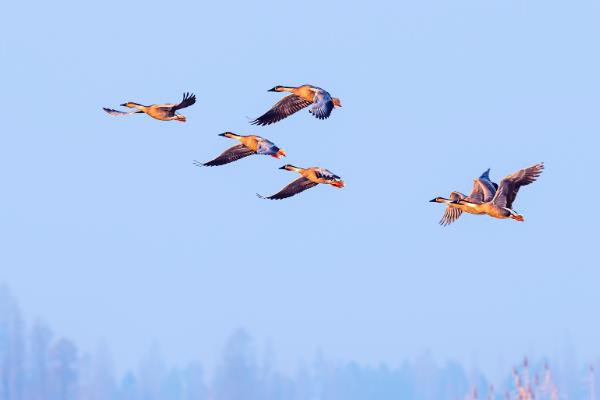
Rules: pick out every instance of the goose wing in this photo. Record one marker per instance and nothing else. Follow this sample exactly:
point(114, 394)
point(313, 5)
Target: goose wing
point(282, 109)
point(325, 174)
point(509, 186)
point(266, 147)
point(456, 196)
point(297, 186)
point(230, 155)
point(120, 113)
point(188, 100)
point(323, 105)
point(483, 188)
point(451, 213)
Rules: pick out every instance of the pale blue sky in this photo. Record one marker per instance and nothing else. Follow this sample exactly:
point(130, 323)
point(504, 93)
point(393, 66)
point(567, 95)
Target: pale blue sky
point(109, 231)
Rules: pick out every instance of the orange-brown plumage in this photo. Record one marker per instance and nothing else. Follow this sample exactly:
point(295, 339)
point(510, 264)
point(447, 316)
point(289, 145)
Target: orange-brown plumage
point(310, 177)
point(249, 145)
point(301, 97)
point(501, 205)
point(162, 112)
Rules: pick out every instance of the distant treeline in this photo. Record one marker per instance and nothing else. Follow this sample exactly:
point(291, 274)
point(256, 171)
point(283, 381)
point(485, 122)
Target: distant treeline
point(36, 365)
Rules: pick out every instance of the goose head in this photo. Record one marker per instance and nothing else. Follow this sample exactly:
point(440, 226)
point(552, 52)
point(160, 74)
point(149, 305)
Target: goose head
point(336, 102)
point(515, 215)
point(442, 200)
point(289, 167)
point(280, 153)
point(229, 135)
point(337, 182)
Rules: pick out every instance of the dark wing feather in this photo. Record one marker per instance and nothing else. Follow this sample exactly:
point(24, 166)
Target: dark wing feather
point(509, 186)
point(483, 190)
point(325, 174)
point(282, 109)
point(232, 154)
point(120, 113)
point(188, 100)
point(322, 111)
point(457, 196)
point(476, 195)
point(450, 215)
point(299, 185)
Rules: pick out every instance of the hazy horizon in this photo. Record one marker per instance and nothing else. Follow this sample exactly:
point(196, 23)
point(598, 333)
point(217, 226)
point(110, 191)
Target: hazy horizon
point(246, 366)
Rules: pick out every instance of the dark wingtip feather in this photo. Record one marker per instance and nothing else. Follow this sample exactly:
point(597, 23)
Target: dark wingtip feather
point(114, 112)
point(486, 174)
point(266, 197)
point(260, 122)
point(320, 116)
point(273, 197)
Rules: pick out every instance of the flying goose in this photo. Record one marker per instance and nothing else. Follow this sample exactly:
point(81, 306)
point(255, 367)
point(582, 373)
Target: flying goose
point(310, 177)
point(500, 206)
point(483, 190)
point(249, 145)
point(300, 97)
point(163, 112)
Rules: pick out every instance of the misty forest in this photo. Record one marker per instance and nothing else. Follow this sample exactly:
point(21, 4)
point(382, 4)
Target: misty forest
point(36, 363)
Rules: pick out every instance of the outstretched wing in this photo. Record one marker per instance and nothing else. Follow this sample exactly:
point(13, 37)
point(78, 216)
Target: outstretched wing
point(325, 174)
point(299, 185)
point(483, 189)
point(323, 105)
point(451, 214)
point(509, 186)
point(282, 109)
point(232, 154)
point(188, 100)
point(322, 110)
point(120, 113)
point(454, 196)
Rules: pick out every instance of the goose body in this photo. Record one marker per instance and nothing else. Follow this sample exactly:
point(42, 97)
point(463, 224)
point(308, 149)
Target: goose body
point(310, 177)
point(501, 205)
point(483, 191)
point(162, 112)
point(301, 97)
point(250, 144)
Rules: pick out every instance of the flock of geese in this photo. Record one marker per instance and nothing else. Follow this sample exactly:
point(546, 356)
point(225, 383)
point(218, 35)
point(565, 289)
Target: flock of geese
point(487, 197)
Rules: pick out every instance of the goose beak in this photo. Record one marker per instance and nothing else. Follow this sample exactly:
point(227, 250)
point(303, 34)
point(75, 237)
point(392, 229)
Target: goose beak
point(280, 154)
point(222, 134)
point(433, 201)
point(282, 167)
point(123, 105)
point(272, 89)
